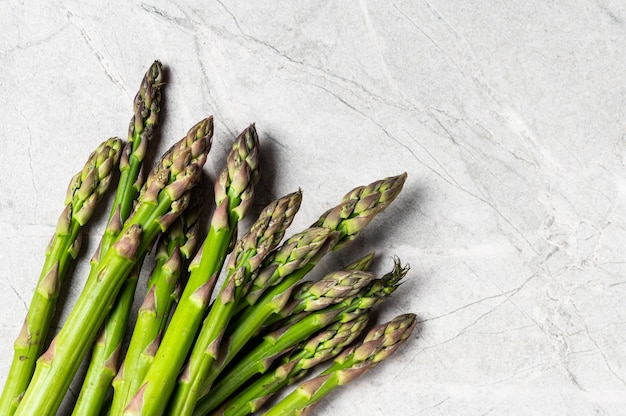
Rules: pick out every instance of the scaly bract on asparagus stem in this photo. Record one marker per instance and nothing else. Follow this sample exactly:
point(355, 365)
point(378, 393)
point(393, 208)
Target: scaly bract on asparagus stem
point(380, 343)
point(173, 252)
point(283, 340)
point(104, 359)
point(323, 346)
point(84, 191)
point(264, 236)
point(163, 197)
point(234, 192)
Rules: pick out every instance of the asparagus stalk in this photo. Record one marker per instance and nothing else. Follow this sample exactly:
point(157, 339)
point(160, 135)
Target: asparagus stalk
point(84, 191)
point(345, 222)
point(163, 197)
point(107, 349)
point(103, 365)
point(359, 207)
point(380, 343)
point(146, 108)
point(234, 192)
point(293, 254)
point(333, 288)
point(173, 251)
point(321, 347)
point(283, 340)
point(297, 307)
point(263, 237)
point(356, 210)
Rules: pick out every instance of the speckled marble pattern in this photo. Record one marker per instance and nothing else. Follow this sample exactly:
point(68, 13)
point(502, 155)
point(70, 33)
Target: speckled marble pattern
point(509, 118)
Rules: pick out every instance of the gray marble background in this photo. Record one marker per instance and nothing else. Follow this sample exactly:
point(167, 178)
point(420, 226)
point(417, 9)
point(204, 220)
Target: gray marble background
point(508, 116)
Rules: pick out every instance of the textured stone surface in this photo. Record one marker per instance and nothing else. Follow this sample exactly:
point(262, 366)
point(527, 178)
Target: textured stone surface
point(508, 117)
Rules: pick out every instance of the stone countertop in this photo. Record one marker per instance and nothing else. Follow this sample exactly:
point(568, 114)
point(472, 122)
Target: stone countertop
point(509, 118)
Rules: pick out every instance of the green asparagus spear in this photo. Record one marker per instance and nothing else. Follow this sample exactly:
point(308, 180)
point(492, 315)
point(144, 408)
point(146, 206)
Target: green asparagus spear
point(146, 108)
point(356, 210)
point(302, 301)
point(380, 343)
point(173, 251)
point(104, 360)
point(321, 347)
point(234, 192)
point(107, 349)
point(163, 197)
point(84, 191)
point(283, 340)
point(345, 221)
point(263, 237)
point(360, 206)
point(293, 255)
point(333, 288)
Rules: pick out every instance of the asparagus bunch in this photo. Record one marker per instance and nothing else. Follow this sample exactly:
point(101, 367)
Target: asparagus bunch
point(83, 193)
point(234, 192)
point(324, 346)
point(263, 237)
point(265, 327)
point(283, 340)
point(163, 197)
point(103, 365)
point(333, 288)
point(174, 250)
point(270, 290)
point(379, 344)
point(310, 296)
point(346, 220)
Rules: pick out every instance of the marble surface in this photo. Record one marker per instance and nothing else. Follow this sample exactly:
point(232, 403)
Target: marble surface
point(509, 118)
